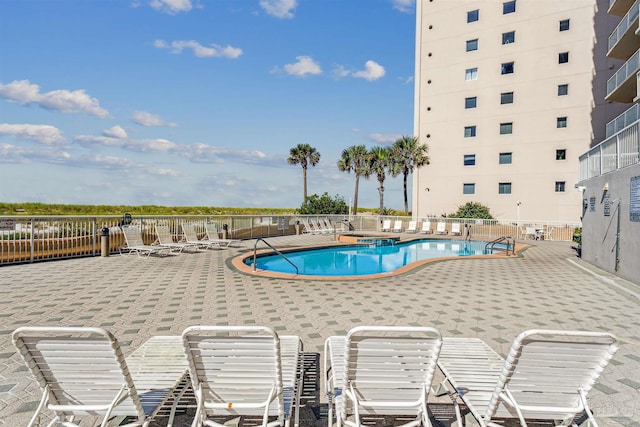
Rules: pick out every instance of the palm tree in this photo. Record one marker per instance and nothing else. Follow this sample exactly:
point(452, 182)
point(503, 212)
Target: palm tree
point(356, 159)
point(304, 155)
point(408, 154)
point(379, 163)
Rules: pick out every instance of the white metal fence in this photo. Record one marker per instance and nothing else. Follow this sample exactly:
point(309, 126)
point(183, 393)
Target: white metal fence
point(30, 239)
point(616, 152)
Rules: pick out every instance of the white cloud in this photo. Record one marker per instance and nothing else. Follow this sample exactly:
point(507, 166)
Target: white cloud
point(144, 118)
point(177, 46)
point(138, 145)
point(77, 101)
point(115, 132)
point(203, 153)
point(282, 9)
point(372, 71)
point(406, 6)
point(171, 6)
point(384, 139)
point(45, 134)
point(340, 71)
point(305, 65)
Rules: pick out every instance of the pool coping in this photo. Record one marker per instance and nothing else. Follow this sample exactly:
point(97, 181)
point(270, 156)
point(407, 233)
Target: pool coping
point(238, 263)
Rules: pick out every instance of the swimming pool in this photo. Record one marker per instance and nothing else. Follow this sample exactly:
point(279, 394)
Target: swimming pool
point(360, 260)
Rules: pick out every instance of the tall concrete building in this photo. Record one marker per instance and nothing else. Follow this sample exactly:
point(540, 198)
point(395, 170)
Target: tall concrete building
point(610, 171)
point(508, 94)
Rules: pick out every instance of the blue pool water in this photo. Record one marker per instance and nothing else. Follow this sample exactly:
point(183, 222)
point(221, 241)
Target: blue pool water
point(358, 260)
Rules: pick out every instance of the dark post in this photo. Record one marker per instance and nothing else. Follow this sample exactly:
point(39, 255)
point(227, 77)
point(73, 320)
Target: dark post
point(105, 242)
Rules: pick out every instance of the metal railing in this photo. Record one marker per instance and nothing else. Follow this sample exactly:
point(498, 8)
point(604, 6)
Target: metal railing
point(25, 239)
point(624, 25)
point(509, 242)
point(626, 70)
point(623, 120)
point(255, 254)
point(616, 152)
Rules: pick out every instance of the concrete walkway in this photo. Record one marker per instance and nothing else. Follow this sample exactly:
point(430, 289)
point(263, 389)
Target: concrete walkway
point(493, 299)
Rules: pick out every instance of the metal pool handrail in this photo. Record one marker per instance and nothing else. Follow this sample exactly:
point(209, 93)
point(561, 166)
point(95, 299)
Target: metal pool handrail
point(510, 241)
point(274, 249)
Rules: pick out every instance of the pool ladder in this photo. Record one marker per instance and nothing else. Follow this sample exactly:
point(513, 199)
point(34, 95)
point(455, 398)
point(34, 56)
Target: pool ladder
point(274, 249)
point(510, 241)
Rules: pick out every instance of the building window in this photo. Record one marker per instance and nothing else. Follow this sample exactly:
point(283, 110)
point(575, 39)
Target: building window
point(564, 25)
point(506, 128)
point(504, 188)
point(506, 68)
point(563, 57)
point(508, 7)
point(561, 122)
point(472, 45)
point(561, 154)
point(469, 159)
point(469, 131)
point(563, 90)
point(560, 186)
point(471, 74)
point(509, 37)
point(471, 102)
point(505, 158)
point(468, 189)
point(473, 15)
point(506, 98)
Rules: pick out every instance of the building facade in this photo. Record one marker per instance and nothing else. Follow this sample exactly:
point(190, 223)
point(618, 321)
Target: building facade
point(610, 171)
point(508, 95)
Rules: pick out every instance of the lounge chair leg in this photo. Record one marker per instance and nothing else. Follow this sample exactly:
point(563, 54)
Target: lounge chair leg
point(591, 420)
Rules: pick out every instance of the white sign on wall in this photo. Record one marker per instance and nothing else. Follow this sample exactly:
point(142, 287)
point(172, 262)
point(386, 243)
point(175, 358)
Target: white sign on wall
point(634, 200)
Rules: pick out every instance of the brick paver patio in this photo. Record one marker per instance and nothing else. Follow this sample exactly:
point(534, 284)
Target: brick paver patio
point(548, 287)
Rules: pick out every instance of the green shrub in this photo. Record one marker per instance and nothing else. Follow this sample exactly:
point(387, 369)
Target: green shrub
point(472, 210)
point(324, 205)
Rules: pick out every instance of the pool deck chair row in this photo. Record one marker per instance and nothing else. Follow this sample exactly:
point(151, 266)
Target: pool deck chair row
point(135, 245)
point(546, 376)
point(212, 236)
point(234, 370)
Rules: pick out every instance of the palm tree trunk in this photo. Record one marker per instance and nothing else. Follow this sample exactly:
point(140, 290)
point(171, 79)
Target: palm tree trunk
point(304, 180)
point(381, 192)
point(355, 196)
point(406, 200)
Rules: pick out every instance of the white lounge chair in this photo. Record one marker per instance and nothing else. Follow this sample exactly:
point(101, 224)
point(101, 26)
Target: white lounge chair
point(412, 228)
point(165, 239)
point(386, 225)
point(441, 228)
point(380, 370)
point(135, 245)
point(212, 236)
point(327, 225)
point(546, 376)
point(243, 370)
point(397, 226)
point(426, 227)
point(81, 371)
point(455, 229)
point(191, 236)
point(531, 233)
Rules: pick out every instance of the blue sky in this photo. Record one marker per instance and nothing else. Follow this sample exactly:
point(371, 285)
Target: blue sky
point(197, 102)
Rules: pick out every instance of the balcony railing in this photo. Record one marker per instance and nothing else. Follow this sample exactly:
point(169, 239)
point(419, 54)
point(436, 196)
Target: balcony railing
point(627, 70)
point(623, 120)
point(624, 25)
point(616, 152)
point(619, 7)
